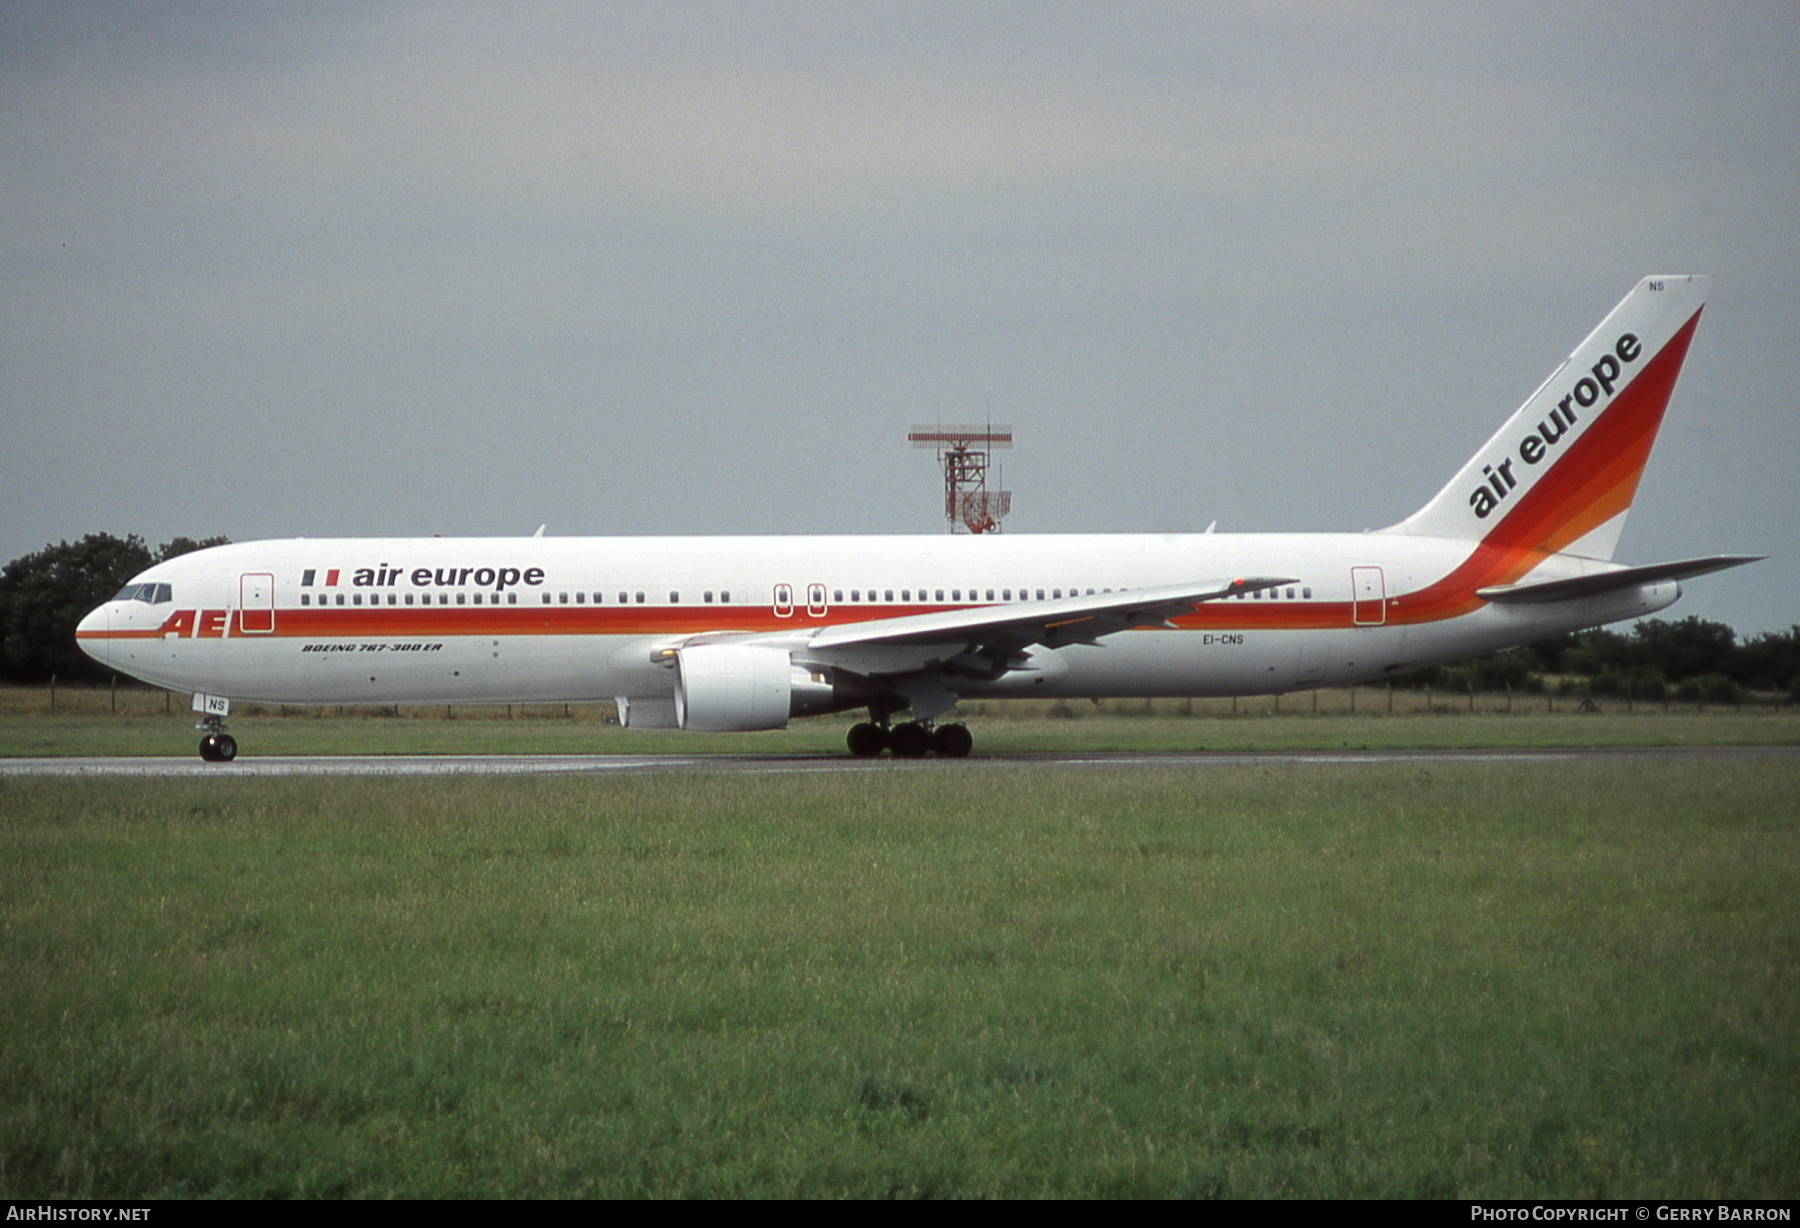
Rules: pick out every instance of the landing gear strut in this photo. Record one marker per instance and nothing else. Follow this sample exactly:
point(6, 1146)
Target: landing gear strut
point(910, 740)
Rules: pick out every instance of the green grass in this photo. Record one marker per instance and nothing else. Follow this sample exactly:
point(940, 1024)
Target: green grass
point(83, 724)
point(1478, 980)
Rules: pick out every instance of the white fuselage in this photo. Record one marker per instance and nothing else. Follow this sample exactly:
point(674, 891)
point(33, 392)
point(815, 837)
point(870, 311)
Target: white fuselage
point(741, 633)
point(566, 619)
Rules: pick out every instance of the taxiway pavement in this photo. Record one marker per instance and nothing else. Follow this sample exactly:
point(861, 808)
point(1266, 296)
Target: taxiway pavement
point(598, 765)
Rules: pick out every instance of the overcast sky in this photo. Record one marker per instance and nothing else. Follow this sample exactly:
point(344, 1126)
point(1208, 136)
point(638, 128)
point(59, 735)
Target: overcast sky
point(393, 269)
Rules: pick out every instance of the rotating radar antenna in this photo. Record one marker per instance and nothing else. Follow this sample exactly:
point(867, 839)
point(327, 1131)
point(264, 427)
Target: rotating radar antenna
point(962, 452)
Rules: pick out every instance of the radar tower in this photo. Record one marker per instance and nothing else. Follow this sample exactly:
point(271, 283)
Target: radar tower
point(962, 451)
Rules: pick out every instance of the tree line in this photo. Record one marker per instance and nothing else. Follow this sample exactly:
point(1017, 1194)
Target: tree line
point(44, 594)
point(1691, 659)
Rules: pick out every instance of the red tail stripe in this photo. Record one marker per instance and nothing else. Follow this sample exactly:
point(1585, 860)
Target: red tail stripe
point(1588, 485)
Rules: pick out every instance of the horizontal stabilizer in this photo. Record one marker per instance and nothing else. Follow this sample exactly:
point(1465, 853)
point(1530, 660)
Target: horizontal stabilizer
point(1612, 581)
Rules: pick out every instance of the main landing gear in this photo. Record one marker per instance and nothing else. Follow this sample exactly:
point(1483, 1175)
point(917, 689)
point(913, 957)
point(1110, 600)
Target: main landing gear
point(912, 740)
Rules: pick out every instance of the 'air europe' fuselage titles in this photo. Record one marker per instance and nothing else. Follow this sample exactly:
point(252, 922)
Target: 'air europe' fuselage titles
point(497, 578)
point(1536, 445)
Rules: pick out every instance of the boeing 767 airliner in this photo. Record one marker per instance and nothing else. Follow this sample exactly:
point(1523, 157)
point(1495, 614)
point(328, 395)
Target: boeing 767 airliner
point(744, 633)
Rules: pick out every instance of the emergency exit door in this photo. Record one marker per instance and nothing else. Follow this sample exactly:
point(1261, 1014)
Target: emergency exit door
point(1368, 600)
point(256, 603)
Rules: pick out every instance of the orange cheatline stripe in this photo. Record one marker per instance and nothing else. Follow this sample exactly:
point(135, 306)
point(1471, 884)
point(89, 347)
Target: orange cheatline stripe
point(380, 622)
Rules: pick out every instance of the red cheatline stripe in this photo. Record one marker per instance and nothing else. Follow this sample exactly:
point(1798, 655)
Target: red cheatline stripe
point(402, 623)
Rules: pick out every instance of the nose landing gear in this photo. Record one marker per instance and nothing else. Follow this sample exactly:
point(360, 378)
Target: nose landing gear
point(910, 740)
point(217, 746)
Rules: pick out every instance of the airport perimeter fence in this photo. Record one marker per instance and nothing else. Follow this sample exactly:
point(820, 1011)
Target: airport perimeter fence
point(124, 698)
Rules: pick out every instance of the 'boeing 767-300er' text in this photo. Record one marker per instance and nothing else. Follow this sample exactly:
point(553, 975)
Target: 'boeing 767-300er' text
point(741, 633)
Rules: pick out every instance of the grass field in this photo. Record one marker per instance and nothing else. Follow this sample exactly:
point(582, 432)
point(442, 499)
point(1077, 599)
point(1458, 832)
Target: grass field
point(1468, 979)
point(149, 723)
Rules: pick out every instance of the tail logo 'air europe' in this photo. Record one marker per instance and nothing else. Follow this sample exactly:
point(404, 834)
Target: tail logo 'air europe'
point(1537, 445)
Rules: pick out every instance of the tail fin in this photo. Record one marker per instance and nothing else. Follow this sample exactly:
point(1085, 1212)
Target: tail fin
point(1560, 475)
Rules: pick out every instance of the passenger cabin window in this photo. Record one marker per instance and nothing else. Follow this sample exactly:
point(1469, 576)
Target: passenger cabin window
point(640, 598)
point(305, 599)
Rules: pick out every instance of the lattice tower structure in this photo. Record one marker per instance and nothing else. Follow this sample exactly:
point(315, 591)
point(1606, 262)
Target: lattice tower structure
point(962, 452)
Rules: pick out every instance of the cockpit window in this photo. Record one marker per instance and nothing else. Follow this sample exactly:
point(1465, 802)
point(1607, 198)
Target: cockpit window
point(150, 594)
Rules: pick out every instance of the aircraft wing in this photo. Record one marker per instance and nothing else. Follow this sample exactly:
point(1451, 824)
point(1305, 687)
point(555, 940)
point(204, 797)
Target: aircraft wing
point(920, 655)
point(1001, 632)
point(1066, 620)
point(1611, 581)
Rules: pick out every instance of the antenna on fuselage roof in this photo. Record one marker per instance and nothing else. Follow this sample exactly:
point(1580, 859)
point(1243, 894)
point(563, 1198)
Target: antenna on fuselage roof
point(541, 529)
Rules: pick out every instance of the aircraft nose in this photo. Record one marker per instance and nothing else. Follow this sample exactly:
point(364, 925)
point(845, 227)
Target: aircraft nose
point(90, 633)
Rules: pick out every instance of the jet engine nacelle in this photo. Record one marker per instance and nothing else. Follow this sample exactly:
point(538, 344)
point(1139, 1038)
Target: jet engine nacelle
point(735, 688)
